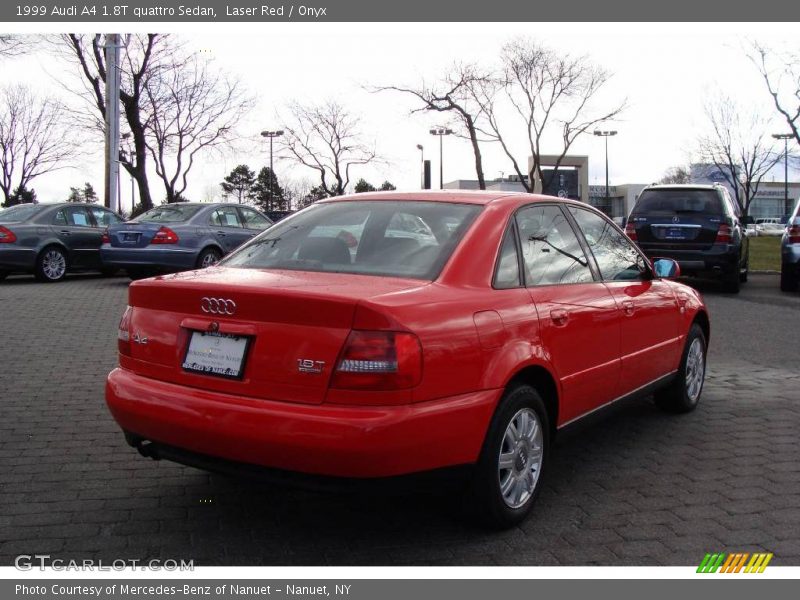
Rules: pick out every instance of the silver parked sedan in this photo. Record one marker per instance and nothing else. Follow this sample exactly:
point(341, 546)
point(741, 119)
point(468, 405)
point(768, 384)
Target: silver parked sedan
point(179, 236)
point(50, 239)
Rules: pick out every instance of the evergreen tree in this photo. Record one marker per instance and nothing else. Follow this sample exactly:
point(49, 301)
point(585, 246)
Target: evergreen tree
point(362, 185)
point(239, 183)
point(89, 194)
point(267, 193)
point(22, 195)
point(75, 195)
point(386, 186)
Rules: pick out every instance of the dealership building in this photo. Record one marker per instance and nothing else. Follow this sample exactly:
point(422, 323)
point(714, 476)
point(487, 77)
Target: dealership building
point(572, 182)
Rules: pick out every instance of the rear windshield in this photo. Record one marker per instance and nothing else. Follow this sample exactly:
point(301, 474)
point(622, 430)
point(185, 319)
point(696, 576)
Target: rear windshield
point(169, 213)
point(400, 239)
point(20, 213)
point(672, 202)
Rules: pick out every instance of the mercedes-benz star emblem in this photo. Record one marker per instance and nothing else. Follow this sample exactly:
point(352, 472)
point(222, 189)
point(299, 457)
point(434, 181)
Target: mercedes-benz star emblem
point(217, 306)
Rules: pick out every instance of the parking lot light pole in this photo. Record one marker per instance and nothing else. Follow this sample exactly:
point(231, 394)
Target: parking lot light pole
point(441, 132)
point(421, 165)
point(785, 137)
point(271, 135)
point(606, 135)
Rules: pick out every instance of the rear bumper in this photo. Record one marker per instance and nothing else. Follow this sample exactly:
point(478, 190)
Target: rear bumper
point(328, 440)
point(148, 257)
point(17, 259)
point(790, 254)
point(722, 259)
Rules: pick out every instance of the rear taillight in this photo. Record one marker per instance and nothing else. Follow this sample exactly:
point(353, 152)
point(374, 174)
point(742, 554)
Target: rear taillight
point(124, 332)
point(724, 235)
point(379, 360)
point(165, 235)
point(794, 234)
point(105, 239)
point(630, 231)
point(7, 236)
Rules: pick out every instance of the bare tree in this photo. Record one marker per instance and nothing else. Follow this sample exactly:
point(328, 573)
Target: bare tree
point(326, 138)
point(739, 146)
point(142, 56)
point(32, 138)
point(14, 45)
point(783, 83)
point(679, 174)
point(191, 109)
point(545, 91)
point(456, 94)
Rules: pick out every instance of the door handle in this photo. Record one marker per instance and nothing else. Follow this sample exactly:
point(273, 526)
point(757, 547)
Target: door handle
point(64, 231)
point(628, 307)
point(559, 317)
point(222, 233)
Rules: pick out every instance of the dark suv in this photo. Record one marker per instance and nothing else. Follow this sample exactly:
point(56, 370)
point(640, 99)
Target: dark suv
point(699, 226)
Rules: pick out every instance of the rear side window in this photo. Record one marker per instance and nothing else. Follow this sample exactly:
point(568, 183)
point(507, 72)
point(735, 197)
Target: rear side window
point(402, 239)
point(168, 213)
point(551, 251)
point(225, 217)
point(677, 202)
point(507, 274)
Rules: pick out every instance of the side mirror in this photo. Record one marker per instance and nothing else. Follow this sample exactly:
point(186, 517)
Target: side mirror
point(666, 268)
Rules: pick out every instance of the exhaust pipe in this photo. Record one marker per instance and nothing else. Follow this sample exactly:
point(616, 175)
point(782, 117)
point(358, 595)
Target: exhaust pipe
point(144, 447)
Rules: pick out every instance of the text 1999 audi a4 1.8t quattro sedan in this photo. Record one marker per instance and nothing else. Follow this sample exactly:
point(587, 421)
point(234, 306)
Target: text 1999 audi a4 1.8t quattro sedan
point(402, 333)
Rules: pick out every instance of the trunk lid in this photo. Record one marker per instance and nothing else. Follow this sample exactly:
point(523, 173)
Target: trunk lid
point(132, 234)
point(288, 327)
point(679, 231)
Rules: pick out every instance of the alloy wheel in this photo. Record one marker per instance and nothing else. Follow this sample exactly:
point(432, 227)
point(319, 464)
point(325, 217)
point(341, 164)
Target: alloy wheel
point(520, 461)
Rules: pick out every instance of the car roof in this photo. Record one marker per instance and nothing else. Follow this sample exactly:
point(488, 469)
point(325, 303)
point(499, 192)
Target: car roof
point(481, 197)
point(683, 186)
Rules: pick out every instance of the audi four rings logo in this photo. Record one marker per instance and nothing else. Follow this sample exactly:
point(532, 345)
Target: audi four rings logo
point(217, 306)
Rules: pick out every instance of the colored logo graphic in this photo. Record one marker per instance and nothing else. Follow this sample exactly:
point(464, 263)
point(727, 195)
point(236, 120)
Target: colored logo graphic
point(735, 563)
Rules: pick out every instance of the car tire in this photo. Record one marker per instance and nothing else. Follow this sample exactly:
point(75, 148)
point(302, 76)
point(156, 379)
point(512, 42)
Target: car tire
point(789, 279)
point(744, 274)
point(51, 264)
point(502, 493)
point(208, 257)
point(683, 394)
point(137, 274)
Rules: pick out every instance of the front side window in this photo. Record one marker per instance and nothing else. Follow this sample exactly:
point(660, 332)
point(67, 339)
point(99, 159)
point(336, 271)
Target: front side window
point(616, 257)
point(403, 239)
point(252, 219)
point(551, 251)
point(104, 218)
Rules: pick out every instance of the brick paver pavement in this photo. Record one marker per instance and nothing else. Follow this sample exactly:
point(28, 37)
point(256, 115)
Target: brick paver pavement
point(637, 488)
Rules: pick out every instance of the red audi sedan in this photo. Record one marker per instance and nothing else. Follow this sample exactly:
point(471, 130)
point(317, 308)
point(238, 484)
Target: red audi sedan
point(388, 334)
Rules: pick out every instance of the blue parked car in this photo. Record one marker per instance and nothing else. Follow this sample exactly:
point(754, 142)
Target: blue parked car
point(790, 252)
point(179, 236)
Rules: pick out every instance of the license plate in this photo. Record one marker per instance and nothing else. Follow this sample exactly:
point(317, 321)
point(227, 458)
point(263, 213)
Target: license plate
point(675, 233)
point(217, 354)
point(130, 237)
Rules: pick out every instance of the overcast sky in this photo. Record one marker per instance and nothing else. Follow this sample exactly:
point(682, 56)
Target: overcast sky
point(665, 72)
